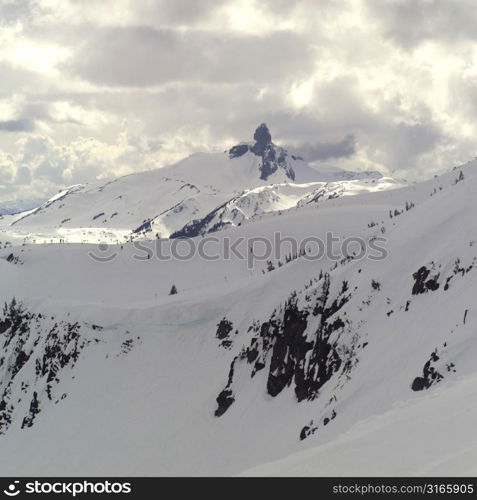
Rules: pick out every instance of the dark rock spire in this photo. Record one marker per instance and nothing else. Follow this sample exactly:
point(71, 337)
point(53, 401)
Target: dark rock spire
point(273, 157)
point(263, 138)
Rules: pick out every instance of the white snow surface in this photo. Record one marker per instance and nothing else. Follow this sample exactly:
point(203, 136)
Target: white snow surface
point(140, 397)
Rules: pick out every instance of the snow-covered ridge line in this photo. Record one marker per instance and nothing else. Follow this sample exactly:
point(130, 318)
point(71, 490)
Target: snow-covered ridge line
point(248, 180)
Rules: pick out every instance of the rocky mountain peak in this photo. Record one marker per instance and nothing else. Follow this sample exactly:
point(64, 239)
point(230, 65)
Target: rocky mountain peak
point(273, 157)
point(263, 139)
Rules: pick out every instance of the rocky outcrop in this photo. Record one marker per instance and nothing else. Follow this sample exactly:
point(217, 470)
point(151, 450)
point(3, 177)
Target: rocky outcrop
point(424, 282)
point(273, 158)
point(36, 351)
point(430, 374)
point(263, 139)
point(297, 346)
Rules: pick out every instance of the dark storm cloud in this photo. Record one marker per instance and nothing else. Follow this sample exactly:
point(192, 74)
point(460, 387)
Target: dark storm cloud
point(322, 151)
point(31, 113)
point(410, 22)
point(144, 56)
point(21, 125)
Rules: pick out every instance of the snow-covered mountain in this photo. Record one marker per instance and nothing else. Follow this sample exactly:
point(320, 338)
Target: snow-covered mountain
point(17, 206)
point(350, 364)
point(205, 192)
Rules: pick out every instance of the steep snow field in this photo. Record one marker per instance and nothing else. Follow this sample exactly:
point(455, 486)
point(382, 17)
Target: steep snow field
point(334, 367)
point(421, 437)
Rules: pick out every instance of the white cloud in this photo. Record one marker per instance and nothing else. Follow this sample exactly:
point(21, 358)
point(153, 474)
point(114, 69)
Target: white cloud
point(40, 166)
point(386, 84)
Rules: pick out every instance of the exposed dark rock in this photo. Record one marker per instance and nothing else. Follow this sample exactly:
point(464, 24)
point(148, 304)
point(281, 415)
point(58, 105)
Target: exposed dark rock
point(267, 169)
point(432, 284)
point(263, 139)
point(226, 397)
point(294, 355)
point(33, 412)
point(238, 150)
point(5, 325)
point(28, 339)
point(20, 360)
point(224, 401)
point(375, 285)
point(308, 430)
point(224, 328)
point(418, 384)
point(459, 270)
point(144, 227)
point(288, 351)
point(127, 346)
point(420, 277)
point(421, 282)
point(197, 226)
point(430, 375)
point(13, 259)
point(273, 157)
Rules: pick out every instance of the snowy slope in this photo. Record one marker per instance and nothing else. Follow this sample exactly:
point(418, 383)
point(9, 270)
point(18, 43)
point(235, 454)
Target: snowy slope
point(249, 179)
point(314, 367)
point(433, 425)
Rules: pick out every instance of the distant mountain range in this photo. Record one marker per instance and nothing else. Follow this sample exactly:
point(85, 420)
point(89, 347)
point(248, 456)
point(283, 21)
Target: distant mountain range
point(200, 194)
point(17, 206)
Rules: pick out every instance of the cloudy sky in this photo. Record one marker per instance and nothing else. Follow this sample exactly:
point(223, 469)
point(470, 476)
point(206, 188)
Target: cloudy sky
point(91, 89)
